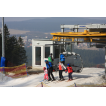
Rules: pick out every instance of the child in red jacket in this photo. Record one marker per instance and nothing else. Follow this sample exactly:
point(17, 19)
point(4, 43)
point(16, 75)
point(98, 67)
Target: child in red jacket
point(45, 73)
point(70, 71)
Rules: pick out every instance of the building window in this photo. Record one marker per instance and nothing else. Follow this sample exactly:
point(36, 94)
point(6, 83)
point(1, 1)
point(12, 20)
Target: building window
point(47, 52)
point(69, 48)
point(38, 56)
point(56, 48)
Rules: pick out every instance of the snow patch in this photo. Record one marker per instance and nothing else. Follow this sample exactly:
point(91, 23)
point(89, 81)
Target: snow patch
point(4, 78)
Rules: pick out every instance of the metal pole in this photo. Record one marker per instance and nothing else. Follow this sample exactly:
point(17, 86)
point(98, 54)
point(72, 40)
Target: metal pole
point(71, 47)
point(62, 29)
point(60, 48)
point(3, 48)
point(59, 53)
point(105, 61)
point(53, 51)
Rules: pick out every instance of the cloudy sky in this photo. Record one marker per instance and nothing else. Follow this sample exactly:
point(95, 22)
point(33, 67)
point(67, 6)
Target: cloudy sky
point(99, 18)
point(19, 18)
point(28, 18)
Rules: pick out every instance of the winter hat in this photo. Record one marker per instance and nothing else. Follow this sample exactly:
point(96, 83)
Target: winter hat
point(44, 68)
point(68, 64)
point(45, 60)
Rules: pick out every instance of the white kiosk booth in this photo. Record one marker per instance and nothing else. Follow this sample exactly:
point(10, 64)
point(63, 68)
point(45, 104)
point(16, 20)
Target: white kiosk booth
point(40, 51)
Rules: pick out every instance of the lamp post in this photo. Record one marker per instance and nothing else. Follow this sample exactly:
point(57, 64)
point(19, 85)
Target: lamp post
point(3, 47)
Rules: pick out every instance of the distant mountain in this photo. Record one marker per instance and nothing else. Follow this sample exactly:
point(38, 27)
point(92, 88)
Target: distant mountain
point(12, 19)
point(52, 24)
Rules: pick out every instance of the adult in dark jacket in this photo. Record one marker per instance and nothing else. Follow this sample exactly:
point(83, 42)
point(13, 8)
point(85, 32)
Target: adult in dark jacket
point(62, 58)
point(50, 70)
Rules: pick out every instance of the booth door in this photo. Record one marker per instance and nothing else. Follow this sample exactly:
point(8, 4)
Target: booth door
point(37, 55)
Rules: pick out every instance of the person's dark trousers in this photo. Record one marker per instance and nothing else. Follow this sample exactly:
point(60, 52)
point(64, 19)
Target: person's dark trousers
point(70, 75)
point(63, 64)
point(60, 74)
point(50, 73)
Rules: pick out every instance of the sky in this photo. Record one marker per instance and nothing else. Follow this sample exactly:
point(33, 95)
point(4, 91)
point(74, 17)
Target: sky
point(99, 18)
point(10, 19)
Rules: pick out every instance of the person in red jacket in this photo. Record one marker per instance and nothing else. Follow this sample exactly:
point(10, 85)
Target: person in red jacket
point(70, 71)
point(61, 68)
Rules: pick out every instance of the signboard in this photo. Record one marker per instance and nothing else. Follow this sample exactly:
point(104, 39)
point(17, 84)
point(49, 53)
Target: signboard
point(82, 26)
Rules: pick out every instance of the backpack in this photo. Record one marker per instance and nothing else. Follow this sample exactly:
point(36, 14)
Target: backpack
point(50, 59)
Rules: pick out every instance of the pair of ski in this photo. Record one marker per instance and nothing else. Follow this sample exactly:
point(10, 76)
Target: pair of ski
point(64, 80)
point(47, 82)
point(56, 81)
point(69, 80)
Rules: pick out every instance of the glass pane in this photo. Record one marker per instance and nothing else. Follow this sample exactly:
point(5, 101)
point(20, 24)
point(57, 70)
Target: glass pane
point(68, 48)
point(62, 49)
point(38, 56)
point(56, 51)
point(47, 52)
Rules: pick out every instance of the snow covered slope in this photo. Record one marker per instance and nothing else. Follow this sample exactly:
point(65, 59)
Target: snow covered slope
point(88, 75)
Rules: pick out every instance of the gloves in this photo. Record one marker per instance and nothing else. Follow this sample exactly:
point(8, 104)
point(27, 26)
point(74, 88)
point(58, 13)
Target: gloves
point(65, 71)
point(53, 70)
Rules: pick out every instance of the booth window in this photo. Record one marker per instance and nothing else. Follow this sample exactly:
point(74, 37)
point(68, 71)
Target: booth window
point(56, 51)
point(47, 52)
point(38, 56)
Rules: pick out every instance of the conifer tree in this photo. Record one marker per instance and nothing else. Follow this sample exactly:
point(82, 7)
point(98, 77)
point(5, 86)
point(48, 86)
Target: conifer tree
point(14, 50)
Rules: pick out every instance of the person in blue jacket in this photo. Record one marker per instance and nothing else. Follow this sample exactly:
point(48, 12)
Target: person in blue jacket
point(50, 70)
point(62, 58)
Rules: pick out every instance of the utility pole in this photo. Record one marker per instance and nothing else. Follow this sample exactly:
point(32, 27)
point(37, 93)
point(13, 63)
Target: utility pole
point(3, 40)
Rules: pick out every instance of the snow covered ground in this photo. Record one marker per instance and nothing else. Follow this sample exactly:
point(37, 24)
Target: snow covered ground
point(87, 76)
point(30, 81)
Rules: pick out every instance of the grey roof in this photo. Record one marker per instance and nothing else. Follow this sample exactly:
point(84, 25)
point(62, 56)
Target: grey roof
point(42, 39)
